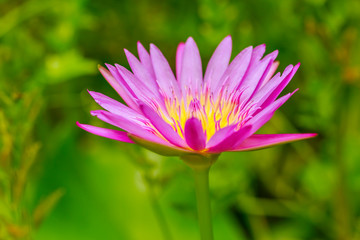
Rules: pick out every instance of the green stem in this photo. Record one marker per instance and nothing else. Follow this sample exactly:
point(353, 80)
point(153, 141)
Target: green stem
point(201, 176)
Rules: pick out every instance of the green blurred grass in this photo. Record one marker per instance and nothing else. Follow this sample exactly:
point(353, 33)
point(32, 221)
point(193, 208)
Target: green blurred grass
point(48, 56)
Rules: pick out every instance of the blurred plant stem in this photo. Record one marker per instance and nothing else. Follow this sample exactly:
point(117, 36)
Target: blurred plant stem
point(143, 163)
point(341, 201)
point(201, 176)
point(165, 230)
point(19, 154)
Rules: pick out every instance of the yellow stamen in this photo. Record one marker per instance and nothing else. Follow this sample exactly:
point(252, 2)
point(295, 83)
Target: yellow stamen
point(226, 110)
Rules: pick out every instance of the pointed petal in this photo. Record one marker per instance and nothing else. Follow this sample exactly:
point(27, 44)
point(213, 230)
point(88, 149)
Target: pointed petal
point(179, 58)
point(163, 127)
point(218, 63)
point(191, 70)
point(119, 88)
point(115, 73)
point(233, 139)
point(266, 114)
point(264, 92)
point(110, 79)
point(194, 134)
point(164, 75)
point(141, 72)
point(275, 93)
point(137, 129)
point(104, 132)
point(140, 90)
point(114, 106)
point(239, 67)
point(145, 59)
point(263, 77)
point(236, 70)
point(258, 52)
point(259, 141)
point(271, 72)
point(256, 74)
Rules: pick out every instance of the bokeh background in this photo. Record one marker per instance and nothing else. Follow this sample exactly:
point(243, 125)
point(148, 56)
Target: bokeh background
point(58, 182)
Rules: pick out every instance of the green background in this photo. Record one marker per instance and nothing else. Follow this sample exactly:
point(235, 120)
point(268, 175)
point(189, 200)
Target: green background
point(60, 182)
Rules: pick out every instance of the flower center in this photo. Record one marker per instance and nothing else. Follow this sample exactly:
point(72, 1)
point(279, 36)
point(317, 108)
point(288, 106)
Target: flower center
point(215, 111)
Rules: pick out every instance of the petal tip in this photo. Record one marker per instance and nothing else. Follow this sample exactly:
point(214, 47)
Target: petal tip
point(227, 40)
point(190, 39)
point(248, 50)
point(94, 113)
point(153, 46)
point(109, 66)
point(91, 93)
point(312, 135)
point(126, 51)
point(276, 53)
point(294, 92)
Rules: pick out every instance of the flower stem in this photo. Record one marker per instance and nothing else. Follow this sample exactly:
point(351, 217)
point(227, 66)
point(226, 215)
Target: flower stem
point(201, 176)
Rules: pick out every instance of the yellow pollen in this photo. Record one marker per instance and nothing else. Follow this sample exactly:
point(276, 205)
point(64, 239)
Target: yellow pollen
point(226, 110)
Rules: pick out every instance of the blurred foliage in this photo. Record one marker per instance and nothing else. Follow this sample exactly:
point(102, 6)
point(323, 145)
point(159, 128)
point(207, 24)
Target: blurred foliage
point(74, 185)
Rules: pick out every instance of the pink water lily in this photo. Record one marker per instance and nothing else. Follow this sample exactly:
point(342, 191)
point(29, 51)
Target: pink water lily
point(192, 115)
point(191, 112)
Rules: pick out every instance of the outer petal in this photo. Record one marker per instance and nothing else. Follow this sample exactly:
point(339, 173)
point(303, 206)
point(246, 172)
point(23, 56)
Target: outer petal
point(194, 134)
point(264, 92)
point(179, 58)
point(135, 84)
point(258, 52)
point(141, 134)
point(280, 87)
point(256, 74)
point(164, 75)
point(137, 129)
point(191, 70)
point(259, 141)
point(247, 82)
point(141, 72)
point(119, 88)
point(271, 73)
point(229, 142)
point(145, 59)
point(218, 63)
point(236, 71)
point(108, 133)
point(163, 127)
point(266, 114)
point(114, 71)
point(115, 107)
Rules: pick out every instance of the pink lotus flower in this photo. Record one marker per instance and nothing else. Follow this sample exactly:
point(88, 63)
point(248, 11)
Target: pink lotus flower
point(192, 113)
